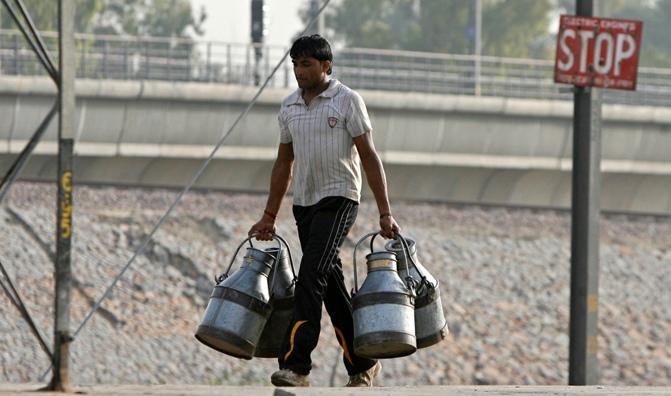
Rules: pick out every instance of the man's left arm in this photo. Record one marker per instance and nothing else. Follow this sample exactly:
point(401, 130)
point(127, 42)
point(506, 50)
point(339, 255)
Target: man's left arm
point(377, 181)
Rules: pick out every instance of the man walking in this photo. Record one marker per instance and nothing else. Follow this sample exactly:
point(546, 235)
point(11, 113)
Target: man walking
point(325, 133)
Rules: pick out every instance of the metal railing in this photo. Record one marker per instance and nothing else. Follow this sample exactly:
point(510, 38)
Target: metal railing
point(150, 58)
point(378, 69)
point(171, 59)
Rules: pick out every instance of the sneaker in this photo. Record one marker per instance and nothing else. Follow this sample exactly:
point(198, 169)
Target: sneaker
point(365, 378)
point(287, 377)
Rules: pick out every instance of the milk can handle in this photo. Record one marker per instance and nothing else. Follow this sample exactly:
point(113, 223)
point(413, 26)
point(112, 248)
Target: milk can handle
point(356, 284)
point(248, 239)
point(279, 240)
point(408, 257)
point(291, 260)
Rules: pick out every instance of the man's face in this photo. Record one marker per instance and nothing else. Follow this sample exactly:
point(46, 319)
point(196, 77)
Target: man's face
point(309, 72)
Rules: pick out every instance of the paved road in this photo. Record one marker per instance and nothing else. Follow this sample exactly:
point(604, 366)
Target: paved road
point(197, 390)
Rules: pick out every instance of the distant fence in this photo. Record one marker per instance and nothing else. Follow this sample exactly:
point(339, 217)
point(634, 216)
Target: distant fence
point(172, 59)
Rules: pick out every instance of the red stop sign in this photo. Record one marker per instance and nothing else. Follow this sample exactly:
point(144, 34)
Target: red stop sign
point(599, 52)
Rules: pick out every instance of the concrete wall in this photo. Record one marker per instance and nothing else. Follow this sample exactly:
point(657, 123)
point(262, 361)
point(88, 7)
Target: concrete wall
point(457, 148)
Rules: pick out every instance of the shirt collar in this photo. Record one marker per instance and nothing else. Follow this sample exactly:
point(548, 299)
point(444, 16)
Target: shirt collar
point(329, 92)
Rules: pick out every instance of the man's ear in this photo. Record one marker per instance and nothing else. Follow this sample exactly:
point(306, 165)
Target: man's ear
point(326, 66)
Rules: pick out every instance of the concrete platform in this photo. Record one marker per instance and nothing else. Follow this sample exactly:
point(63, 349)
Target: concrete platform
point(32, 389)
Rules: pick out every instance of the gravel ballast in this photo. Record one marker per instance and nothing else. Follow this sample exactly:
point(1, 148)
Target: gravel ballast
point(504, 276)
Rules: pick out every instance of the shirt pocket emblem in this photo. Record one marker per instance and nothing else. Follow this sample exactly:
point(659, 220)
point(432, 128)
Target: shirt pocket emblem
point(333, 121)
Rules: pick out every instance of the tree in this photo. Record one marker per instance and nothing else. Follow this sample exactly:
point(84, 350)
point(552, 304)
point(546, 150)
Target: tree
point(517, 28)
point(171, 18)
point(45, 14)
point(509, 27)
point(163, 18)
point(167, 18)
point(159, 18)
point(374, 23)
point(655, 43)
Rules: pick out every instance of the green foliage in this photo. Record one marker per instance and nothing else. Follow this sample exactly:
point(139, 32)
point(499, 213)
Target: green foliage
point(656, 46)
point(172, 18)
point(164, 18)
point(445, 25)
point(516, 28)
point(374, 23)
point(655, 14)
point(45, 14)
point(509, 27)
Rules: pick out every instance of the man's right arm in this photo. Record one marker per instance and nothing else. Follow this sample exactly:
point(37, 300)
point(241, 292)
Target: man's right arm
point(279, 184)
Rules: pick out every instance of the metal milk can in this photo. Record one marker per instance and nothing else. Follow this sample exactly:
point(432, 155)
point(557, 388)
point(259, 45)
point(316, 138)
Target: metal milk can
point(430, 323)
point(239, 305)
point(383, 309)
point(281, 300)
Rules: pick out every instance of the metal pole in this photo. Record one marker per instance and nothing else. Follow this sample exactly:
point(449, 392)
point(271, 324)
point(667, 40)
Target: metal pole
point(62, 336)
point(320, 22)
point(146, 51)
point(478, 44)
point(257, 35)
point(229, 72)
point(583, 363)
point(105, 56)
point(169, 62)
point(188, 62)
point(317, 28)
point(83, 62)
point(1, 42)
point(16, 55)
point(125, 60)
point(209, 62)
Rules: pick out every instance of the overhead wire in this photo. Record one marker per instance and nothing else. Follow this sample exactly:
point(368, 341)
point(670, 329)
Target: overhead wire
point(15, 298)
point(36, 35)
point(16, 167)
point(35, 42)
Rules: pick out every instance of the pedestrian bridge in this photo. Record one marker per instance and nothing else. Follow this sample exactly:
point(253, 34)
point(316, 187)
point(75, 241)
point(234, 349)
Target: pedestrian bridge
point(438, 147)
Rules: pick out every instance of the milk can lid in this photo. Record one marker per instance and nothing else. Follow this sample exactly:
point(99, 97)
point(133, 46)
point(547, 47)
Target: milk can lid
point(391, 256)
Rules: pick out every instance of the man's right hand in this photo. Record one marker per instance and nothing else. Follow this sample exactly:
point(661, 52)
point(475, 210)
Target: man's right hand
point(264, 229)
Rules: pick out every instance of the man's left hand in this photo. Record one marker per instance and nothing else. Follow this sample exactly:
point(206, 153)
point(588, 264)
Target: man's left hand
point(388, 227)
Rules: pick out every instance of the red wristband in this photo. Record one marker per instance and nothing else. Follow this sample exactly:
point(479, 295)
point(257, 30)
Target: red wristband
point(272, 216)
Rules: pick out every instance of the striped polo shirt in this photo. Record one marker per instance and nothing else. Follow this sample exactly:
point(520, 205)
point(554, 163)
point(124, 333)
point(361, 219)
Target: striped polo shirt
point(326, 162)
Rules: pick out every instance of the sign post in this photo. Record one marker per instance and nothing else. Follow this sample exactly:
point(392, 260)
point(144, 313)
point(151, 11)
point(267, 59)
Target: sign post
point(591, 52)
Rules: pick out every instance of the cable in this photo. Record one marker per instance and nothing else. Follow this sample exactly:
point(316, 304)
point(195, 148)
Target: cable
point(33, 30)
point(8, 293)
point(20, 161)
point(195, 178)
point(51, 70)
point(18, 303)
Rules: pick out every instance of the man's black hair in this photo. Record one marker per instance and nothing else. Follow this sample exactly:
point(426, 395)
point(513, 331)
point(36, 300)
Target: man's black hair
point(314, 46)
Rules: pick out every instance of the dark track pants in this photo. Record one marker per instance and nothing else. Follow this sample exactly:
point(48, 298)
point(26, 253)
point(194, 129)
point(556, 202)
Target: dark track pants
point(322, 228)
